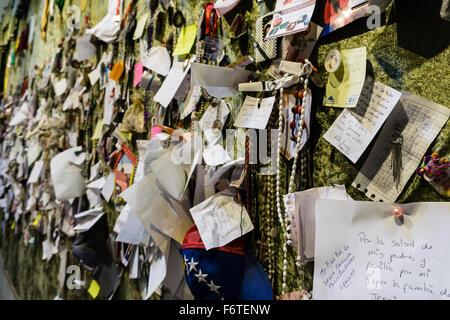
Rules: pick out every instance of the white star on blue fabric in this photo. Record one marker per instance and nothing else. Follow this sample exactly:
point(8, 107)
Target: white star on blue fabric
point(186, 263)
point(213, 287)
point(192, 265)
point(201, 276)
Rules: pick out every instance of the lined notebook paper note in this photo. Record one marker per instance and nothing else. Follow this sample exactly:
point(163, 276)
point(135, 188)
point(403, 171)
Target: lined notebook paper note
point(419, 122)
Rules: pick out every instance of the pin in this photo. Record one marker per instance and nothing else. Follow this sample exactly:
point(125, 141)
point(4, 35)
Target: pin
point(398, 214)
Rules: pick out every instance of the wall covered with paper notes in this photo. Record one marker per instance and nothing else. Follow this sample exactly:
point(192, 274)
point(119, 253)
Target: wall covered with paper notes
point(98, 96)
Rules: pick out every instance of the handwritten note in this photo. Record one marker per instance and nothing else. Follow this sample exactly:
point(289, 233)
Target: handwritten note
point(220, 219)
point(354, 129)
point(344, 86)
point(361, 253)
point(419, 122)
point(255, 113)
point(303, 216)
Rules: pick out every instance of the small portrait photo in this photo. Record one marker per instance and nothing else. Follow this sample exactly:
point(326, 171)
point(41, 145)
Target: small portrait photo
point(291, 26)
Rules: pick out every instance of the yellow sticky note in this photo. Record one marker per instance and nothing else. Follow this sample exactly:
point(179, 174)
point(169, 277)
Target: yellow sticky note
point(36, 220)
point(98, 130)
point(94, 289)
point(186, 40)
point(344, 85)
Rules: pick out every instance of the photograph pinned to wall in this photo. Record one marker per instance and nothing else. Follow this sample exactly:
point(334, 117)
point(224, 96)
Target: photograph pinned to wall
point(339, 13)
point(213, 48)
point(291, 16)
point(123, 174)
point(300, 45)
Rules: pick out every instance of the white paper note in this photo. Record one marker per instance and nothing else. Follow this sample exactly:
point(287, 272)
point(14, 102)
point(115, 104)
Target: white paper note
point(85, 220)
point(156, 275)
point(170, 175)
point(140, 26)
point(112, 93)
point(84, 48)
point(221, 171)
point(36, 172)
point(354, 129)
point(255, 113)
point(224, 6)
point(133, 231)
point(108, 28)
point(219, 82)
point(65, 169)
point(33, 152)
point(60, 87)
point(303, 219)
point(156, 59)
point(152, 207)
point(419, 122)
point(220, 220)
point(361, 253)
point(173, 81)
point(192, 98)
point(108, 187)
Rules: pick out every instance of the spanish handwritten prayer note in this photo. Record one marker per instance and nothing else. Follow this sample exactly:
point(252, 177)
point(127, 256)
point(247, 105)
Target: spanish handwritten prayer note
point(361, 253)
point(418, 121)
point(354, 129)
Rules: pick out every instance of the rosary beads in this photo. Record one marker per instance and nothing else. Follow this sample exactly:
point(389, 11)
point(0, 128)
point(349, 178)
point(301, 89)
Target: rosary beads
point(284, 219)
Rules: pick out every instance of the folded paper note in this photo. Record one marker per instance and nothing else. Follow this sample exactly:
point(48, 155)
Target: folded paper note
point(220, 82)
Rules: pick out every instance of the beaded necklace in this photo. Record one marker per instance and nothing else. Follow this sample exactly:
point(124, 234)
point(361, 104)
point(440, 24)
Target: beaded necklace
point(283, 216)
